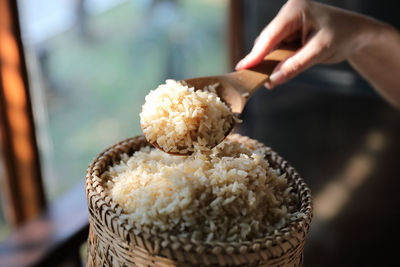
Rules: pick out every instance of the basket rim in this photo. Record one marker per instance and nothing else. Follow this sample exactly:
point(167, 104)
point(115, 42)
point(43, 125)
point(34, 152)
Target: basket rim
point(293, 232)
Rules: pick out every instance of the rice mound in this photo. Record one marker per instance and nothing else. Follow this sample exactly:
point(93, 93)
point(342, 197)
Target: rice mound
point(180, 119)
point(227, 194)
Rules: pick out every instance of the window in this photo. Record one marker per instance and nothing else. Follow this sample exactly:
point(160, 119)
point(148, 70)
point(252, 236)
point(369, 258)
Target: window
point(91, 63)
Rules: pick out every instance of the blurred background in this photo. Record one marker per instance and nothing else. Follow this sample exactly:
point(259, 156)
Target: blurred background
point(94, 62)
point(345, 142)
point(90, 64)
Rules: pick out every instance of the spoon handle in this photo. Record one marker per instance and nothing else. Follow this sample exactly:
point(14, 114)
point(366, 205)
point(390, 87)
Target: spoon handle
point(251, 79)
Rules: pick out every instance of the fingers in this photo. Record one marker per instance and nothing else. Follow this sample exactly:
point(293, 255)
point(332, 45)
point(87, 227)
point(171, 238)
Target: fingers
point(308, 55)
point(287, 22)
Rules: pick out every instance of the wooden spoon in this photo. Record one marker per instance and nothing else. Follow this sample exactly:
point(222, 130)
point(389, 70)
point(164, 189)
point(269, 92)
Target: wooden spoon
point(235, 88)
point(238, 86)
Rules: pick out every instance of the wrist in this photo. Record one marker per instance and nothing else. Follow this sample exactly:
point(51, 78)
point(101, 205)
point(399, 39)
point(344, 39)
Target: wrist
point(371, 36)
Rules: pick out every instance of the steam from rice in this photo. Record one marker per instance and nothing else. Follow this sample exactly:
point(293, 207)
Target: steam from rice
point(180, 119)
point(228, 194)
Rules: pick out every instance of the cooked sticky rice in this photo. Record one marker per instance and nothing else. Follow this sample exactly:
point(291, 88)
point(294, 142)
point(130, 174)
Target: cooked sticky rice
point(179, 119)
point(227, 194)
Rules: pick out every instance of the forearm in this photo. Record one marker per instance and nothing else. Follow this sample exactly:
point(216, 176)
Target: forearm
point(379, 62)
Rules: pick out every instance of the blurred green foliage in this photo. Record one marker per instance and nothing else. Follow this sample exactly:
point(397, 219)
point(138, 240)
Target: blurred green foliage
point(97, 83)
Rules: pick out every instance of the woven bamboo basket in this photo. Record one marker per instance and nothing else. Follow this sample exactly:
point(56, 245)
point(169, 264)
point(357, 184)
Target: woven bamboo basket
point(114, 242)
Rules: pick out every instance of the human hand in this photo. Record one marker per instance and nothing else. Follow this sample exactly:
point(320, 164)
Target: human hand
point(329, 35)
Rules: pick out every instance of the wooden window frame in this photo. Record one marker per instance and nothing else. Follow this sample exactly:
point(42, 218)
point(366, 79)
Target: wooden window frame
point(22, 183)
point(42, 235)
point(235, 32)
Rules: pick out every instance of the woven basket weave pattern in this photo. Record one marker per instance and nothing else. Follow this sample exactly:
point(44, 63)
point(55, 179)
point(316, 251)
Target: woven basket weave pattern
point(114, 242)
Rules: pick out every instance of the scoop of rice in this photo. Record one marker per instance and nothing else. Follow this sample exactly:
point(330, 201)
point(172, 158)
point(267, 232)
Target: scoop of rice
point(229, 193)
point(178, 118)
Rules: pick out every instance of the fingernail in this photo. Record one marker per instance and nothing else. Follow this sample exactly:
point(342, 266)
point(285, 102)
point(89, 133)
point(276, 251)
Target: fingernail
point(277, 77)
point(268, 85)
point(239, 65)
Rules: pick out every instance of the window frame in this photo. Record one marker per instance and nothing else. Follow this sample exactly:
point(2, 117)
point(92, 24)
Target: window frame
point(23, 191)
